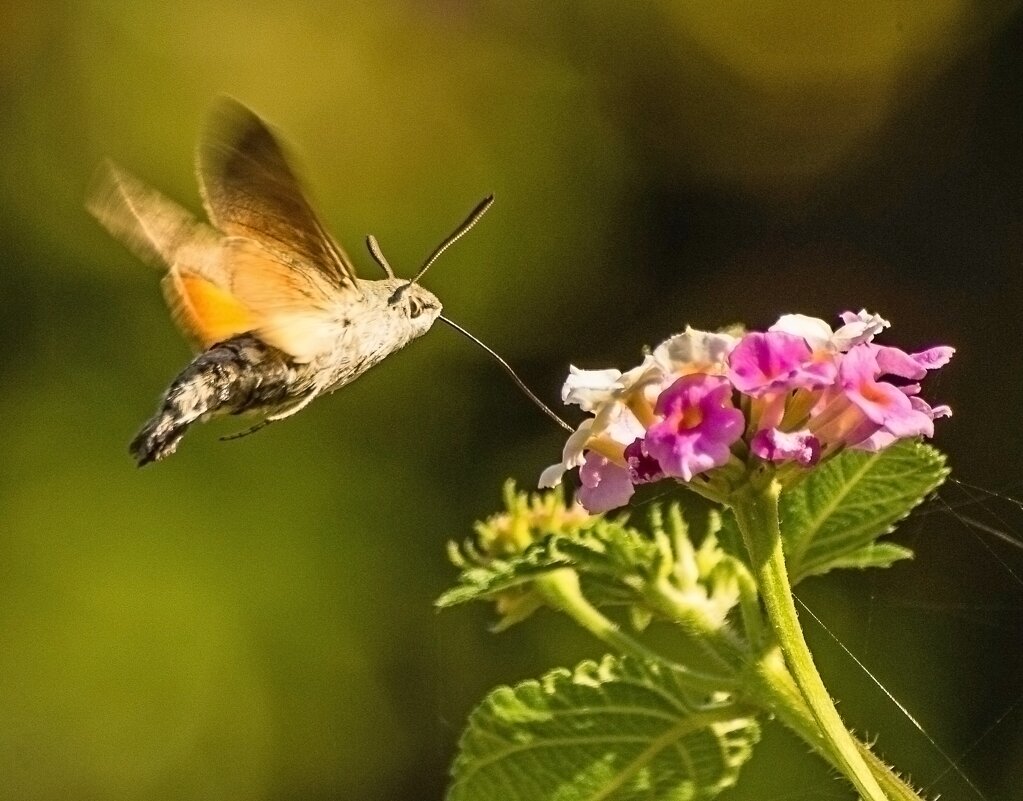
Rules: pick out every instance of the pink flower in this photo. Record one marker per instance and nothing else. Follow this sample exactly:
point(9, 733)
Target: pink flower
point(605, 485)
point(699, 426)
point(777, 362)
point(643, 468)
point(892, 361)
point(774, 445)
point(865, 412)
point(882, 438)
point(882, 403)
point(802, 390)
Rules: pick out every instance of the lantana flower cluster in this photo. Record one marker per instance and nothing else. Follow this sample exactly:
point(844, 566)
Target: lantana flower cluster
point(702, 408)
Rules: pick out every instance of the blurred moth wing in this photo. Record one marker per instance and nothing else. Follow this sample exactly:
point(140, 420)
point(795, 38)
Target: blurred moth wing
point(266, 266)
point(250, 191)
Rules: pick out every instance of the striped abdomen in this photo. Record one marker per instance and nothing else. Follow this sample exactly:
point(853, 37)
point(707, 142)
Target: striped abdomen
point(240, 375)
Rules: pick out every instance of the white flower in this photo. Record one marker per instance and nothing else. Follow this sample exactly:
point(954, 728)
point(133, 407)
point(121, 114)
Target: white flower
point(695, 351)
point(613, 397)
point(571, 456)
point(588, 389)
point(859, 328)
point(609, 432)
point(815, 331)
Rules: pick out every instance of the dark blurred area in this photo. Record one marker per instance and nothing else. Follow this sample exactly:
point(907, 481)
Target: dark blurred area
point(253, 620)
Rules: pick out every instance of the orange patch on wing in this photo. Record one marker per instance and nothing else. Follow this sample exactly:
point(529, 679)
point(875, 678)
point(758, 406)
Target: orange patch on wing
point(205, 312)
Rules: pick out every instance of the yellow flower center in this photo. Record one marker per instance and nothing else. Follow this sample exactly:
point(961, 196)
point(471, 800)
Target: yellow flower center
point(608, 448)
point(690, 418)
point(872, 392)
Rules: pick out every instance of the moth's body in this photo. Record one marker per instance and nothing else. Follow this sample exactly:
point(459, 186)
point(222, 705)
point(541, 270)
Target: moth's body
point(245, 375)
point(362, 334)
point(270, 300)
point(239, 376)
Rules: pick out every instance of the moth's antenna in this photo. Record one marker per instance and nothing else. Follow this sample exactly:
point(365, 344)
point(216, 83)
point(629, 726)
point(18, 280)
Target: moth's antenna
point(378, 255)
point(459, 232)
point(518, 381)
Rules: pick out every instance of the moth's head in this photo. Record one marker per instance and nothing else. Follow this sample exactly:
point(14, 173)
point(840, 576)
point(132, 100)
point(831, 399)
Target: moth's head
point(416, 306)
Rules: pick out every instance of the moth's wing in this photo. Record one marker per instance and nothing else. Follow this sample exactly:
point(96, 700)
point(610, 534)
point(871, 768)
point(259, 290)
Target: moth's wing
point(250, 191)
point(256, 292)
point(298, 316)
point(164, 234)
point(151, 225)
point(276, 273)
point(204, 311)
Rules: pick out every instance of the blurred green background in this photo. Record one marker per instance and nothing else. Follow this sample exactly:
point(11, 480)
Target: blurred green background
point(253, 620)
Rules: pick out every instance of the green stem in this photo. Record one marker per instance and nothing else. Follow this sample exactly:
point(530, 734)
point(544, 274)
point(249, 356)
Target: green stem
point(768, 683)
point(771, 685)
point(560, 589)
point(749, 607)
point(756, 511)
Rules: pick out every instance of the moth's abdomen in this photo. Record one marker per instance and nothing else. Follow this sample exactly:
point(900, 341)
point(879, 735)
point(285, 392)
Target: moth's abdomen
point(240, 375)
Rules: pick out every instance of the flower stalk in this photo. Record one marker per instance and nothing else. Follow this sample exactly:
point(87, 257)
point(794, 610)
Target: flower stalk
point(770, 684)
point(756, 510)
point(763, 679)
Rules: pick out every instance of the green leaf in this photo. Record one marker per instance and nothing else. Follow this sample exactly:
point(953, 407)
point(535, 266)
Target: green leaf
point(833, 518)
point(489, 577)
point(606, 551)
point(617, 730)
point(874, 554)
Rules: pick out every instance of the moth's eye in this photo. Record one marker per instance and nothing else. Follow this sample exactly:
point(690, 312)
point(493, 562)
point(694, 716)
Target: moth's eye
point(415, 308)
